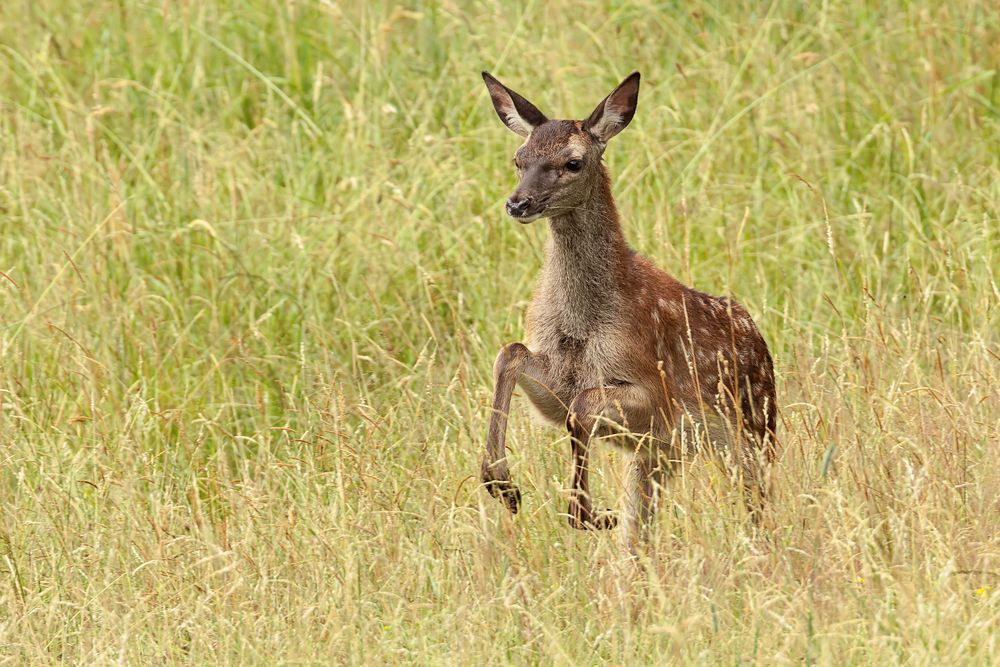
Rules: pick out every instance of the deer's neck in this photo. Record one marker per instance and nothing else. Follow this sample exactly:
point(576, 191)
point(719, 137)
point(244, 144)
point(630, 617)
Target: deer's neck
point(585, 264)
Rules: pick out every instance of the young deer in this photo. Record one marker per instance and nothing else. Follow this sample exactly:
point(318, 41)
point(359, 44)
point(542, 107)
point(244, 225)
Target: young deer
point(615, 346)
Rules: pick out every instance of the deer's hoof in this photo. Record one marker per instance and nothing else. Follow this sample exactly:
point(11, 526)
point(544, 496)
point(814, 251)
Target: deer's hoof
point(506, 492)
point(582, 518)
point(501, 488)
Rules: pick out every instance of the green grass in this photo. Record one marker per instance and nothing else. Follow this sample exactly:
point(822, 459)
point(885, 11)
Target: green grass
point(255, 270)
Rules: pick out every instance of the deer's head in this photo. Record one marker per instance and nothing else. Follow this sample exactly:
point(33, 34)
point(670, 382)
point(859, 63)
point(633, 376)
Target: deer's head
point(560, 160)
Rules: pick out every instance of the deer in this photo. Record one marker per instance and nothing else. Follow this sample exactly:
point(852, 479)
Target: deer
point(617, 349)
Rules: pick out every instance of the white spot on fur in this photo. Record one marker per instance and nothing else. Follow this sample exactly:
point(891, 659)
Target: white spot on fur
point(671, 308)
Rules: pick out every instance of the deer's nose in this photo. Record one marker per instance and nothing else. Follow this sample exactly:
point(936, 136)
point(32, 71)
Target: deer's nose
point(516, 206)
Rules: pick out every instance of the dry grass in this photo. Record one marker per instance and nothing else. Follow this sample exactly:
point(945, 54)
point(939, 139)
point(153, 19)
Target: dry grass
point(255, 272)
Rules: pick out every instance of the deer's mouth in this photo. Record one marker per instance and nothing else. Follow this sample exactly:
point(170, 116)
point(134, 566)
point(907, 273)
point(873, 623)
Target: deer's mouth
point(533, 213)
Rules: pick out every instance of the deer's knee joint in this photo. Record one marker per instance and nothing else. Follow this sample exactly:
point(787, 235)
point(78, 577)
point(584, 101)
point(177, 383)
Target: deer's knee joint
point(585, 402)
point(582, 410)
point(510, 355)
point(515, 349)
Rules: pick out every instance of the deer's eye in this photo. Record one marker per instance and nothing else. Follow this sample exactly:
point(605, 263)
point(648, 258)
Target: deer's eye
point(574, 165)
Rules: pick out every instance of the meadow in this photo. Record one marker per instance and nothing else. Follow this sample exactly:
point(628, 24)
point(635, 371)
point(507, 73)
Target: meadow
point(254, 271)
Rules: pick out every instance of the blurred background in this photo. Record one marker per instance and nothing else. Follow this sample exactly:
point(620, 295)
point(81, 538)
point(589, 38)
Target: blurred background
point(254, 270)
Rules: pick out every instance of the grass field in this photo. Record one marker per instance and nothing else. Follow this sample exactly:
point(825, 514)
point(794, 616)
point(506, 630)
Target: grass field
point(254, 270)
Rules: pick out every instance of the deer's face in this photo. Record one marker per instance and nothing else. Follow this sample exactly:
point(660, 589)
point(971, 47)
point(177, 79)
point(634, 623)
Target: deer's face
point(559, 162)
point(557, 167)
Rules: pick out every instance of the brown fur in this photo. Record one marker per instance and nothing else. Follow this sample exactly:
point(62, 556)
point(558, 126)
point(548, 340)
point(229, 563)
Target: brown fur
point(615, 345)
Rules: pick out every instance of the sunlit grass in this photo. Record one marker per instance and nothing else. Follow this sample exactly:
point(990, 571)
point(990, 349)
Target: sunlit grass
point(255, 272)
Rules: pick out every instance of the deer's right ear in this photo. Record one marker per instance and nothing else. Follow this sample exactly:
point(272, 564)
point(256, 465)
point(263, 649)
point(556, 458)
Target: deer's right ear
point(517, 113)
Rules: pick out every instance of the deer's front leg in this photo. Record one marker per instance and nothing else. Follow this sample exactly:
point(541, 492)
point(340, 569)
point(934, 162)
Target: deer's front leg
point(594, 412)
point(513, 362)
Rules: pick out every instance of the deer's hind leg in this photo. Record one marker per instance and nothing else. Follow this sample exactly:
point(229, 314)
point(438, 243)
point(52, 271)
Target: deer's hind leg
point(755, 469)
point(648, 471)
point(740, 453)
point(598, 412)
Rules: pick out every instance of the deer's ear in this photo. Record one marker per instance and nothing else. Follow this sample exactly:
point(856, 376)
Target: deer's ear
point(517, 113)
point(615, 111)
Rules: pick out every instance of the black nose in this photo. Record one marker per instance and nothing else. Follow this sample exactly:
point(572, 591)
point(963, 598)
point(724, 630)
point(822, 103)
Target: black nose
point(517, 207)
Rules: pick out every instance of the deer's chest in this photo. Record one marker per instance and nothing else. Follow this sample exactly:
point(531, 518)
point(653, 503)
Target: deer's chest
point(573, 321)
point(576, 364)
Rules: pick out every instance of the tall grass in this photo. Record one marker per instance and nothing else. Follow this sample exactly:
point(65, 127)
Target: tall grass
point(255, 271)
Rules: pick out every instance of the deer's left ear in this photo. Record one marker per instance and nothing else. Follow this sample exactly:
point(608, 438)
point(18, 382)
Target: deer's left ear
point(615, 111)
